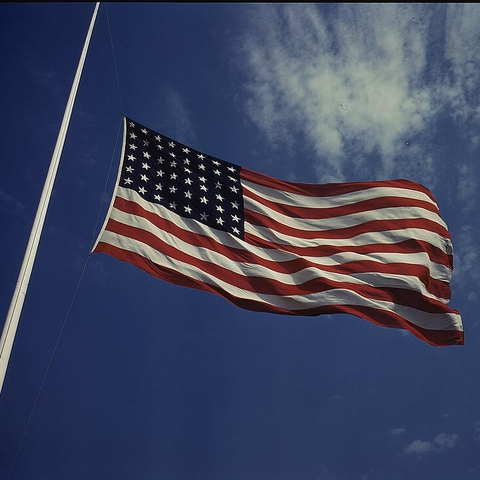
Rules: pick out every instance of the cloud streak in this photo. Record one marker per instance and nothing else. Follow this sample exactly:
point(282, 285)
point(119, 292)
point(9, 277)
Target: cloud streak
point(440, 443)
point(356, 81)
point(12, 204)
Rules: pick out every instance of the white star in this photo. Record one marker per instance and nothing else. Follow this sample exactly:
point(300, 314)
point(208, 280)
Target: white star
point(128, 181)
point(203, 216)
point(173, 205)
point(146, 166)
point(236, 230)
point(142, 190)
point(129, 169)
point(188, 181)
point(219, 197)
point(200, 156)
point(202, 179)
point(158, 138)
point(144, 130)
point(186, 150)
point(173, 189)
point(131, 124)
point(172, 154)
point(132, 146)
point(204, 199)
point(215, 163)
point(220, 220)
point(146, 155)
point(219, 208)
point(217, 172)
point(188, 194)
point(204, 188)
point(173, 163)
point(160, 173)
point(187, 170)
point(233, 179)
point(235, 218)
point(146, 143)
point(144, 178)
point(235, 205)
point(234, 189)
point(201, 166)
point(158, 186)
point(186, 161)
point(188, 209)
point(218, 185)
point(173, 176)
point(131, 157)
point(132, 135)
point(160, 160)
point(231, 169)
point(171, 144)
point(158, 197)
point(160, 147)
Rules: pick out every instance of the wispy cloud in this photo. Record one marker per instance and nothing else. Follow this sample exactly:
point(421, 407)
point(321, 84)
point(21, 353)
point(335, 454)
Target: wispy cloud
point(467, 258)
point(440, 443)
point(397, 431)
point(47, 79)
point(467, 188)
point(476, 433)
point(356, 80)
point(461, 51)
point(179, 115)
point(12, 204)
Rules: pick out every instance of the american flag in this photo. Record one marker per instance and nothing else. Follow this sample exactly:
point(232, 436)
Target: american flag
point(378, 250)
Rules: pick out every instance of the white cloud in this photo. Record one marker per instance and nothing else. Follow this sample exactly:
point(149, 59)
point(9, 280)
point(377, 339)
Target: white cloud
point(443, 441)
point(397, 431)
point(440, 443)
point(419, 447)
point(461, 50)
point(354, 80)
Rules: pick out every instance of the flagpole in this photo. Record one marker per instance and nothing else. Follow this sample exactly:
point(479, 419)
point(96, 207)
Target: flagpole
point(13, 316)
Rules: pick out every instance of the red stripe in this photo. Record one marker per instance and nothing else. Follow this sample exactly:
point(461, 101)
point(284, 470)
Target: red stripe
point(406, 246)
point(271, 286)
point(317, 213)
point(379, 317)
point(434, 286)
point(329, 189)
point(372, 226)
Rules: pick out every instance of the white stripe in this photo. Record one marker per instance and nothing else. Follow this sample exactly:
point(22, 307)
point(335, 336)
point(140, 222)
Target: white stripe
point(299, 277)
point(342, 221)
point(296, 200)
point(297, 303)
point(388, 237)
point(437, 271)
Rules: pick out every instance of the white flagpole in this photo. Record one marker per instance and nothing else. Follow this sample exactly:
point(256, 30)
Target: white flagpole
point(13, 316)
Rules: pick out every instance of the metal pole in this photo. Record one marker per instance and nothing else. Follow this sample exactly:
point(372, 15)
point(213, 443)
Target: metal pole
point(13, 316)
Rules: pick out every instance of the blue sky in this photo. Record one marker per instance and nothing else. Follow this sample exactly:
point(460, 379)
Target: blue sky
point(154, 381)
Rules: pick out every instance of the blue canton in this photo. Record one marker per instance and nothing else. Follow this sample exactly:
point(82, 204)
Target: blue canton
point(182, 179)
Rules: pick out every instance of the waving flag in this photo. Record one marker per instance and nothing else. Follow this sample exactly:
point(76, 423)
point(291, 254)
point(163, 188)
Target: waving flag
point(378, 250)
